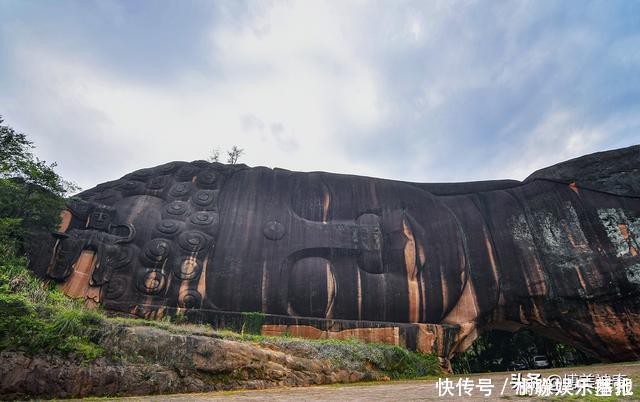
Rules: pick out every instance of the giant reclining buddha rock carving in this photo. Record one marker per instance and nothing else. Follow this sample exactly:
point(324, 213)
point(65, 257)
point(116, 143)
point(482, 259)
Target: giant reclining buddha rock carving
point(427, 266)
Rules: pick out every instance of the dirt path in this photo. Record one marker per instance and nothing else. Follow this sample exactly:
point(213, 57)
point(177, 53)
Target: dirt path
point(423, 390)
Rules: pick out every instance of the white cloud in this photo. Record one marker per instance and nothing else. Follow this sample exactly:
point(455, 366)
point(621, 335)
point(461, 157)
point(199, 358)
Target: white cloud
point(289, 67)
point(559, 137)
point(296, 84)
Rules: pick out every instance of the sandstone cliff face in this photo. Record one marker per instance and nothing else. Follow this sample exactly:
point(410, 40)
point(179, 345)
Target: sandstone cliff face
point(148, 360)
point(427, 266)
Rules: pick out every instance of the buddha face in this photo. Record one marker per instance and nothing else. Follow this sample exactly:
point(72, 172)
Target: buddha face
point(296, 244)
point(333, 246)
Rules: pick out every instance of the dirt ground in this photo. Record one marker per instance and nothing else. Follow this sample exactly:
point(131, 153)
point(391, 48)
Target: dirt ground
point(415, 390)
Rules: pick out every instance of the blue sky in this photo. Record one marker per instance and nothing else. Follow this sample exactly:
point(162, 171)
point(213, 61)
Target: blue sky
point(423, 91)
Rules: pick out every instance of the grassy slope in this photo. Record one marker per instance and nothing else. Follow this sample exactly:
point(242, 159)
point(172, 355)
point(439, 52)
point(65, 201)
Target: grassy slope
point(35, 317)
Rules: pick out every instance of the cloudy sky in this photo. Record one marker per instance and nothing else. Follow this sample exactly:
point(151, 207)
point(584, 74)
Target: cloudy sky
point(423, 91)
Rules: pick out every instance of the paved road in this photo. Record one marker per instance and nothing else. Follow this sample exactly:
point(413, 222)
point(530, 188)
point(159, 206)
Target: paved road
point(419, 390)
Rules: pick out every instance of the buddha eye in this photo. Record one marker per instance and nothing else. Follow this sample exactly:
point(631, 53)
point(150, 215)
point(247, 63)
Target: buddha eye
point(311, 198)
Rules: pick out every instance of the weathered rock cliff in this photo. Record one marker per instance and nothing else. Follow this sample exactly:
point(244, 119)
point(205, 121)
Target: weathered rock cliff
point(427, 266)
point(148, 360)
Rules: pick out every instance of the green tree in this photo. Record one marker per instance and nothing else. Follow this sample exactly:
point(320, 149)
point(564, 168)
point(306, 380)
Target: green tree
point(31, 192)
point(34, 316)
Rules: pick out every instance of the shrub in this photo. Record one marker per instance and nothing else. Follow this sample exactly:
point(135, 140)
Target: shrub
point(252, 322)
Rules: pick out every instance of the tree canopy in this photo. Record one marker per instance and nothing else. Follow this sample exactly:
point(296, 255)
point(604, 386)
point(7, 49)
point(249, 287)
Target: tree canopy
point(31, 192)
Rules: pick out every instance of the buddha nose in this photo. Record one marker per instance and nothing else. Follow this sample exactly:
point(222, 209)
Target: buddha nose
point(362, 236)
point(344, 235)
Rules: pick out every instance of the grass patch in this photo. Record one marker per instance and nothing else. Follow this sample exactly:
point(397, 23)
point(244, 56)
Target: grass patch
point(395, 361)
point(165, 324)
point(35, 317)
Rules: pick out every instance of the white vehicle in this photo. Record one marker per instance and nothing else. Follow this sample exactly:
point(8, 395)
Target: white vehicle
point(540, 361)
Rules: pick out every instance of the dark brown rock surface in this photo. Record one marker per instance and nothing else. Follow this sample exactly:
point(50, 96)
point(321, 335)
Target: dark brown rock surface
point(322, 255)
